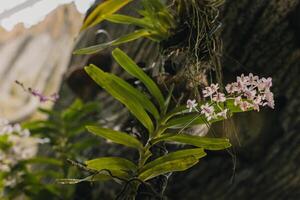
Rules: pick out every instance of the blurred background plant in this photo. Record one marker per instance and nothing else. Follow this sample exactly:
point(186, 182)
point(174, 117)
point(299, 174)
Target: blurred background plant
point(30, 165)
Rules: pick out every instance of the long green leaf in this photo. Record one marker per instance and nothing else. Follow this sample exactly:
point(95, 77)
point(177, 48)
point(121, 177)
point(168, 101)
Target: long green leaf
point(197, 152)
point(186, 121)
point(123, 39)
point(203, 142)
point(71, 181)
point(124, 19)
point(116, 136)
point(133, 69)
point(103, 10)
point(111, 163)
point(142, 98)
point(101, 176)
point(133, 105)
point(43, 160)
point(169, 166)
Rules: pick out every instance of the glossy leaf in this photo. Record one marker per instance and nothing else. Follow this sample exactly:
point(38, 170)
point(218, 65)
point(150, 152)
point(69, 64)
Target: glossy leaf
point(101, 176)
point(111, 163)
point(180, 110)
point(117, 91)
point(203, 142)
point(168, 99)
point(169, 166)
point(123, 39)
point(124, 19)
point(185, 121)
point(197, 152)
point(103, 10)
point(43, 160)
point(133, 69)
point(142, 98)
point(116, 136)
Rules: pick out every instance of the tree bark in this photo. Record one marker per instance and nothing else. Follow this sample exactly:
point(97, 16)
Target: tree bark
point(261, 37)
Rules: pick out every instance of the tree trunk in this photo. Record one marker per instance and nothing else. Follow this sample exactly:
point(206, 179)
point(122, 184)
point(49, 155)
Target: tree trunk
point(261, 37)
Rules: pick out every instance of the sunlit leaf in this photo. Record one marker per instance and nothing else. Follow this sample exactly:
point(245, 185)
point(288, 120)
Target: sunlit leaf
point(130, 101)
point(124, 19)
point(133, 69)
point(116, 136)
point(43, 160)
point(203, 142)
point(185, 121)
point(101, 176)
point(142, 98)
point(197, 152)
point(123, 39)
point(103, 10)
point(169, 166)
point(111, 163)
point(168, 99)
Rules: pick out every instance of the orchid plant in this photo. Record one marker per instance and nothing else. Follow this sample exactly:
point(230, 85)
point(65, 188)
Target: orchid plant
point(163, 123)
point(156, 118)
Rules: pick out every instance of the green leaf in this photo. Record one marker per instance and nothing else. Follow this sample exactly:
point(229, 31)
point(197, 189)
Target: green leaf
point(142, 98)
point(103, 10)
point(168, 99)
point(101, 176)
point(124, 19)
point(103, 79)
point(123, 39)
point(197, 152)
point(179, 110)
point(185, 121)
point(39, 124)
point(203, 142)
point(169, 166)
point(43, 160)
point(133, 69)
point(111, 163)
point(116, 137)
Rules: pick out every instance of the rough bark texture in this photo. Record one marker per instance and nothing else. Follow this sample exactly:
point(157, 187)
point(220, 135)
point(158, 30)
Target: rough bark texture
point(37, 57)
point(260, 37)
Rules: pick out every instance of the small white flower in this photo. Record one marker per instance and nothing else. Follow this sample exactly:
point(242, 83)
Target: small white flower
point(230, 88)
point(237, 100)
point(267, 82)
point(250, 94)
point(244, 105)
point(209, 91)
point(252, 79)
point(223, 113)
point(257, 102)
point(219, 97)
point(269, 97)
point(191, 104)
point(208, 111)
point(243, 80)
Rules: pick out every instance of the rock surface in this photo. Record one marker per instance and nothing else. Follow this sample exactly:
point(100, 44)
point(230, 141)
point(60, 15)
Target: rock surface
point(37, 57)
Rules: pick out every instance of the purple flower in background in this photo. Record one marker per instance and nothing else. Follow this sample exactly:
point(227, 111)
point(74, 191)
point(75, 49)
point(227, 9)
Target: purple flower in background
point(191, 104)
point(42, 98)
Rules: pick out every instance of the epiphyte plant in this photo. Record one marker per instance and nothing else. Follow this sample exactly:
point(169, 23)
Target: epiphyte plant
point(163, 124)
